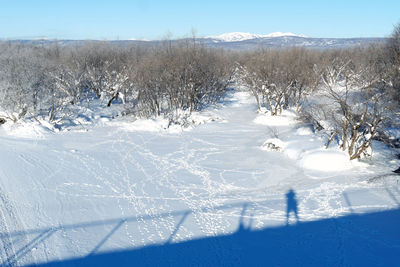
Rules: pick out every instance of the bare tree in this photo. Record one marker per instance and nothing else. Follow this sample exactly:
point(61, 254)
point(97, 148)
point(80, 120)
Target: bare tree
point(280, 79)
point(393, 64)
point(355, 102)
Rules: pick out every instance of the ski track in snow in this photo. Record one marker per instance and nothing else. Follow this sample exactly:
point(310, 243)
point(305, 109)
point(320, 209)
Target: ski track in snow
point(114, 189)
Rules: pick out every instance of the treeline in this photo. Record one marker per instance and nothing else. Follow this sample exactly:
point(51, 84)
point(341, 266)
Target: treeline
point(44, 80)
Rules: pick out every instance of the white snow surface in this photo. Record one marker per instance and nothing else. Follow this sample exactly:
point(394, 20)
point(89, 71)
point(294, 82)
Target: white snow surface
point(303, 146)
point(196, 194)
point(242, 36)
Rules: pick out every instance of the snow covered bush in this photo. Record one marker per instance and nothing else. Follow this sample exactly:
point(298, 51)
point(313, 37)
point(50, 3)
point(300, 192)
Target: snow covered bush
point(350, 103)
point(280, 79)
point(20, 77)
point(182, 77)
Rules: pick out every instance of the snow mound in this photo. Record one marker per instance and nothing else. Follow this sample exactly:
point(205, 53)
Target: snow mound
point(274, 144)
point(326, 161)
point(29, 129)
point(145, 125)
point(304, 131)
point(184, 122)
point(299, 143)
point(287, 118)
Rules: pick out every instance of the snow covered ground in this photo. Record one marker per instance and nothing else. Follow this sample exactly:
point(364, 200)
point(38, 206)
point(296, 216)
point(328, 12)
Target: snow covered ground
point(121, 185)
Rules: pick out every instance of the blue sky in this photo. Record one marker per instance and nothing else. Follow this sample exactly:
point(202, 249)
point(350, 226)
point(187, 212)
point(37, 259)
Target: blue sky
point(123, 19)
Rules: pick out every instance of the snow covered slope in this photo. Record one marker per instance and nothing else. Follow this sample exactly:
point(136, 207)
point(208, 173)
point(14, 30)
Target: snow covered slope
point(249, 41)
point(242, 36)
point(212, 195)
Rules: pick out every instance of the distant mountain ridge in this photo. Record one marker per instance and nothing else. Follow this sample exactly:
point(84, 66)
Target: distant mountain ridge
point(238, 41)
point(248, 41)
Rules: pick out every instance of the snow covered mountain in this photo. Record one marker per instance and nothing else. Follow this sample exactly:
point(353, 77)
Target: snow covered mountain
point(249, 41)
point(242, 36)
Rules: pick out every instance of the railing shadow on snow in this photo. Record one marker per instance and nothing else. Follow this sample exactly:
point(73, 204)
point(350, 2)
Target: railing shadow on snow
point(370, 239)
point(39, 235)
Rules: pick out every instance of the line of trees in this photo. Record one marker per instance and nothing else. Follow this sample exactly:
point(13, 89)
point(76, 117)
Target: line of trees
point(45, 80)
point(280, 79)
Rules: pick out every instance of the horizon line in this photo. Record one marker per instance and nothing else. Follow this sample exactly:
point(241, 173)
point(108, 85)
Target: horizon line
point(45, 38)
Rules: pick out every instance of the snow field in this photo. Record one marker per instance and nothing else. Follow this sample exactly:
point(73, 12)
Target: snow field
point(122, 185)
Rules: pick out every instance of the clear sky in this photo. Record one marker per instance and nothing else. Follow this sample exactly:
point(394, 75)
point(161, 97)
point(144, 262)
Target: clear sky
point(155, 19)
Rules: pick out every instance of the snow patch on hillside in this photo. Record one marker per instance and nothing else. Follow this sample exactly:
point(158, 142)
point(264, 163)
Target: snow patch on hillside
point(283, 34)
point(242, 36)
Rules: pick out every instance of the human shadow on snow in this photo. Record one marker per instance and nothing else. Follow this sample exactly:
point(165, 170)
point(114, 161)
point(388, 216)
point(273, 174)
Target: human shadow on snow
point(291, 205)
